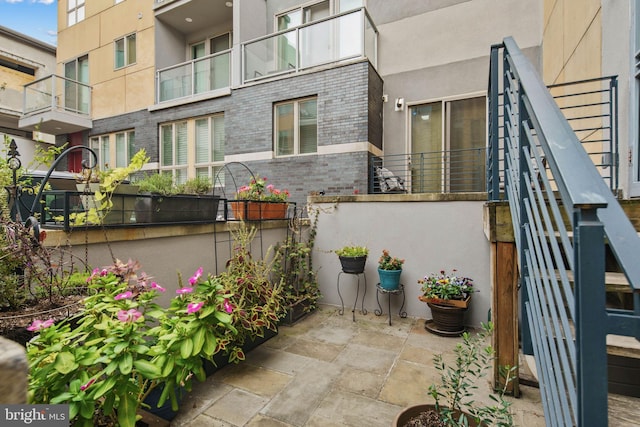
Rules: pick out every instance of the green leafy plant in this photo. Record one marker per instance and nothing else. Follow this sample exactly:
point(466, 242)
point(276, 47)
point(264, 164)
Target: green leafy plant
point(454, 394)
point(293, 267)
point(258, 189)
point(109, 181)
point(446, 286)
point(122, 345)
point(254, 301)
point(352, 251)
point(387, 262)
point(157, 183)
point(197, 185)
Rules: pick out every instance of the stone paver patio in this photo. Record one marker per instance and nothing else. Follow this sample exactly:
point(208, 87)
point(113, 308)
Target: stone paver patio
point(328, 370)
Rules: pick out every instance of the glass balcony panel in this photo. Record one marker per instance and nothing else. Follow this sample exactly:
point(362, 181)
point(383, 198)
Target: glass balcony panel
point(175, 82)
point(57, 93)
point(207, 74)
point(345, 36)
point(271, 55)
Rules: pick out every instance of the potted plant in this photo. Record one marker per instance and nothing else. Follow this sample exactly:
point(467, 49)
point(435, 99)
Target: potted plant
point(162, 201)
point(448, 296)
point(353, 258)
point(453, 395)
point(102, 207)
point(293, 267)
point(122, 346)
point(389, 270)
point(260, 200)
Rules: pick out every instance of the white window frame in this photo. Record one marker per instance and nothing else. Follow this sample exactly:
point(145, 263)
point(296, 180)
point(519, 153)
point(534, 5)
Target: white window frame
point(211, 165)
point(106, 148)
point(296, 129)
point(75, 11)
point(180, 172)
point(125, 61)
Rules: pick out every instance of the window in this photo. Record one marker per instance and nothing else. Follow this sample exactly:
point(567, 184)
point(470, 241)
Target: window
point(448, 140)
point(119, 146)
point(296, 127)
point(212, 72)
point(77, 94)
point(75, 11)
point(193, 148)
point(125, 51)
point(209, 144)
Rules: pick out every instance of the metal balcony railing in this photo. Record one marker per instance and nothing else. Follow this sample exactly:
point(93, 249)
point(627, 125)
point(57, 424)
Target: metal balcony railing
point(194, 77)
point(563, 214)
point(449, 171)
point(56, 93)
point(337, 38)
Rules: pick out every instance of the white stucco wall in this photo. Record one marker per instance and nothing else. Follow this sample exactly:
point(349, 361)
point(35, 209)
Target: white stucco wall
point(430, 236)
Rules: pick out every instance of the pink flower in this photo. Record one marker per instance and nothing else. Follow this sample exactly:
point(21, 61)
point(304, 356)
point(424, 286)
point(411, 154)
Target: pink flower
point(194, 279)
point(131, 315)
point(40, 324)
point(228, 307)
point(271, 187)
point(157, 287)
point(103, 272)
point(194, 307)
point(88, 384)
point(123, 295)
point(183, 291)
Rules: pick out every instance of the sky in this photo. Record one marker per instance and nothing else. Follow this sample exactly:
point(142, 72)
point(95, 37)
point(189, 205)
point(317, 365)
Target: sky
point(35, 18)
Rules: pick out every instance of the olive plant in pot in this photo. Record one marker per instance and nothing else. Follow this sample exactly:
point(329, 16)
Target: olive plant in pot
point(454, 400)
point(448, 296)
point(353, 258)
point(389, 271)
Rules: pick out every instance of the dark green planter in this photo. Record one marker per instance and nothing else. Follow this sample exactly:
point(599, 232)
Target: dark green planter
point(353, 265)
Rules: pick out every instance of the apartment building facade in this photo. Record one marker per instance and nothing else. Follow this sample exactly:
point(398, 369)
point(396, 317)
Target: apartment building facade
point(22, 60)
point(304, 93)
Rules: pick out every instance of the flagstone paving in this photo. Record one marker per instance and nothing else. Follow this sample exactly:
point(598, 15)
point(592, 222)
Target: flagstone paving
point(327, 370)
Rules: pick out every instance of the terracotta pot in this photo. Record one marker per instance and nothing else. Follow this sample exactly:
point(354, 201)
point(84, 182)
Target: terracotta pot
point(253, 210)
point(460, 303)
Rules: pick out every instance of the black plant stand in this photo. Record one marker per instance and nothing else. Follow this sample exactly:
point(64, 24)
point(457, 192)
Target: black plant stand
point(381, 290)
point(363, 310)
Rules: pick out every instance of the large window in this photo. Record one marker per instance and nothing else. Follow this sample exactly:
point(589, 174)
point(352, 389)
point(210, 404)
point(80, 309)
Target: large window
point(77, 96)
point(75, 11)
point(448, 140)
point(296, 127)
point(114, 150)
point(209, 138)
point(212, 72)
point(193, 147)
point(125, 51)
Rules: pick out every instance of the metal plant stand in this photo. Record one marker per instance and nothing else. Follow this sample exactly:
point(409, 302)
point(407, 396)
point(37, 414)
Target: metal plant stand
point(400, 290)
point(355, 303)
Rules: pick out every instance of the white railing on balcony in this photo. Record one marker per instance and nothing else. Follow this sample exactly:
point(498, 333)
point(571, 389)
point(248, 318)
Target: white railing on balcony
point(57, 93)
point(194, 77)
point(340, 37)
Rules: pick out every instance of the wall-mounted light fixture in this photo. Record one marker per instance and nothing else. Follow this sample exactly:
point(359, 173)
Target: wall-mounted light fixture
point(399, 105)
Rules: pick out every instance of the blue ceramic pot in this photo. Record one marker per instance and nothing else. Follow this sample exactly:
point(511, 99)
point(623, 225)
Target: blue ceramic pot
point(389, 279)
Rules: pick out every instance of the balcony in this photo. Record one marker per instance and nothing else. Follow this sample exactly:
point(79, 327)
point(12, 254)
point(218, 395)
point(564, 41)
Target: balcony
point(347, 36)
point(56, 105)
point(189, 79)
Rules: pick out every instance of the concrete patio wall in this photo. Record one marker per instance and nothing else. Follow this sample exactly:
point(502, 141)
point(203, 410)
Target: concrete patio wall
point(430, 235)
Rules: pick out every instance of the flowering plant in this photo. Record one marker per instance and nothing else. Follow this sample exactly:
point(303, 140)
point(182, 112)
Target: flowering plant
point(446, 286)
point(387, 262)
point(259, 190)
point(123, 345)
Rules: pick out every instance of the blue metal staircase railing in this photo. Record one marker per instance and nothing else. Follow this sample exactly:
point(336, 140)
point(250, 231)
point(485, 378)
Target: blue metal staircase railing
point(564, 215)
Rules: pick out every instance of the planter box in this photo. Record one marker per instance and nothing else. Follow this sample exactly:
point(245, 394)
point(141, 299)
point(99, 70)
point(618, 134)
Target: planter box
point(448, 302)
point(123, 203)
point(156, 209)
point(254, 210)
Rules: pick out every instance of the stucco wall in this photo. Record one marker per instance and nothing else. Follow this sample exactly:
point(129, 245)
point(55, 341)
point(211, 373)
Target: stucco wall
point(430, 236)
